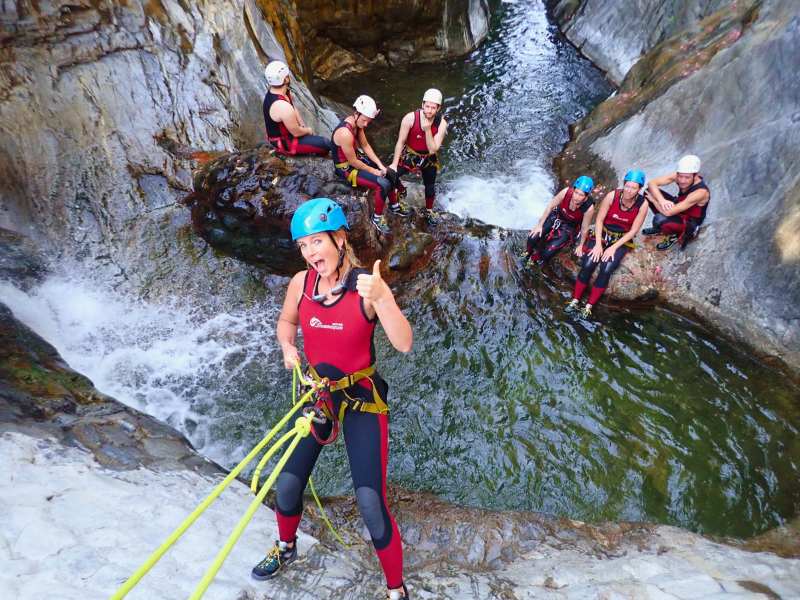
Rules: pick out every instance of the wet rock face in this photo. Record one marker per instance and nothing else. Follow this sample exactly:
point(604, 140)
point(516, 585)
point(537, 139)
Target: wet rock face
point(104, 104)
point(243, 205)
point(342, 37)
point(616, 34)
point(725, 90)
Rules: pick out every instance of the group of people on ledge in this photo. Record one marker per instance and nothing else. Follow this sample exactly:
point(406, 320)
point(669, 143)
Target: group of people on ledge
point(421, 135)
point(620, 215)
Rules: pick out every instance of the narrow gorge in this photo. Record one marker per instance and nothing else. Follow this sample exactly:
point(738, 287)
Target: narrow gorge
point(144, 256)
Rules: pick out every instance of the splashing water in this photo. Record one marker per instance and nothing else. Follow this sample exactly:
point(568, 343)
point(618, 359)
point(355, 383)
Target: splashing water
point(177, 365)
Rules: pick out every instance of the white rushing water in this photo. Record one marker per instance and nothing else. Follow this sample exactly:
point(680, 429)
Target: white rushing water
point(514, 199)
point(168, 362)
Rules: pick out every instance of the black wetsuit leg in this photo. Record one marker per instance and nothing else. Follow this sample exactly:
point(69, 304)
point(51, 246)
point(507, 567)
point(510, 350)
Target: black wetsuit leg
point(561, 237)
point(533, 240)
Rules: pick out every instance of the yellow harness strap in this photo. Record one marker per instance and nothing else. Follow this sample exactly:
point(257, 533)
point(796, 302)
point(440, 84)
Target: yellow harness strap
point(379, 406)
point(427, 156)
point(351, 176)
point(616, 235)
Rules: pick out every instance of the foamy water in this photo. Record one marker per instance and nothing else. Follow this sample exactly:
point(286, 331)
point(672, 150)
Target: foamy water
point(514, 199)
point(168, 362)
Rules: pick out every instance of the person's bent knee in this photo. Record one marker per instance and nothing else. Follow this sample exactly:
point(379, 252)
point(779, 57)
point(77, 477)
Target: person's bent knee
point(659, 220)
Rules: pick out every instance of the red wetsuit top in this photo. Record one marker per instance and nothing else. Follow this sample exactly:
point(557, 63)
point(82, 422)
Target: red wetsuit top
point(337, 154)
point(574, 217)
point(337, 337)
point(617, 218)
point(275, 130)
point(695, 212)
point(416, 136)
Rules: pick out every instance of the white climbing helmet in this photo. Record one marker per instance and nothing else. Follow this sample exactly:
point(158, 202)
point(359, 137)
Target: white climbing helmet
point(276, 72)
point(433, 95)
point(689, 164)
point(366, 106)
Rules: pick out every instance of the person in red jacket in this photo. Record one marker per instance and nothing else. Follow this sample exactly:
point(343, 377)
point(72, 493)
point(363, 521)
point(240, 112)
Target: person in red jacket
point(286, 130)
point(337, 304)
point(421, 135)
point(678, 217)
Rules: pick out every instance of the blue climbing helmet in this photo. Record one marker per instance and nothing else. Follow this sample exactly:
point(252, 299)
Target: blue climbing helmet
point(316, 216)
point(636, 176)
point(584, 183)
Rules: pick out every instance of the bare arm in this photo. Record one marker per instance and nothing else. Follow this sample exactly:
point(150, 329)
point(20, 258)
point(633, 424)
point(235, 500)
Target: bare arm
point(344, 139)
point(405, 127)
point(289, 320)
point(654, 192)
point(379, 300)
point(434, 142)
point(553, 203)
point(285, 113)
point(362, 140)
point(585, 224)
point(696, 197)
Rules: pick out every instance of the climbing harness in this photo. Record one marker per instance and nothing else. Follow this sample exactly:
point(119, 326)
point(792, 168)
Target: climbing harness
point(302, 427)
point(419, 160)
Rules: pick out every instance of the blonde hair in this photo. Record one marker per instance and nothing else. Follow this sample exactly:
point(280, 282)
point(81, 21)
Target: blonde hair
point(350, 254)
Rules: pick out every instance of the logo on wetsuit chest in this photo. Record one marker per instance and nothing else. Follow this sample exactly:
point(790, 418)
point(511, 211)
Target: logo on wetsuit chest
point(315, 322)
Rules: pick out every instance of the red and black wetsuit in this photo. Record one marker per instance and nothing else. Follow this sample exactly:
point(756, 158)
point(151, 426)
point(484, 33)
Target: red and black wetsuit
point(282, 140)
point(344, 170)
point(617, 223)
point(338, 341)
point(423, 161)
point(561, 227)
point(683, 224)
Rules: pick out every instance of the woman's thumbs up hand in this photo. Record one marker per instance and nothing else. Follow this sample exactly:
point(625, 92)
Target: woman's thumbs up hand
point(372, 287)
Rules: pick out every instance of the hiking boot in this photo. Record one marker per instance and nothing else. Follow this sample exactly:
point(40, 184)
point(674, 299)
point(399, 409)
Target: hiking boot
point(667, 242)
point(571, 307)
point(395, 595)
point(586, 312)
point(433, 218)
point(650, 231)
point(401, 196)
point(400, 209)
point(275, 561)
point(380, 223)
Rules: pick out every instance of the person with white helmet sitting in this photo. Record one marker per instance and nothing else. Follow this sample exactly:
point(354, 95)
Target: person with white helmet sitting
point(678, 217)
point(286, 130)
point(421, 135)
point(365, 171)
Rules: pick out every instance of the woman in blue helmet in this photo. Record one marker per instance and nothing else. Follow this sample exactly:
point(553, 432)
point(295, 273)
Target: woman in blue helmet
point(565, 219)
point(337, 304)
point(619, 218)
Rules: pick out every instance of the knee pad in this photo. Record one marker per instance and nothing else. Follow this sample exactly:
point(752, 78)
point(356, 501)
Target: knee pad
point(430, 190)
point(658, 220)
point(289, 494)
point(371, 507)
point(386, 187)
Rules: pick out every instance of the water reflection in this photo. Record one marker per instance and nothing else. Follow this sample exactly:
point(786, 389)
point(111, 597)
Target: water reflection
point(508, 104)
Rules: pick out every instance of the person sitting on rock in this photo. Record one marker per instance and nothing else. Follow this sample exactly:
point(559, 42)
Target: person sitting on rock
point(366, 171)
point(421, 135)
point(337, 304)
point(678, 218)
point(286, 131)
point(619, 219)
point(567, 217)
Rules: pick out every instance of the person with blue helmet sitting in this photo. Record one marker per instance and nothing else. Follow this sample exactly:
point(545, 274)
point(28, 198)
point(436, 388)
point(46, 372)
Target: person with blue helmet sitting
point(565, 220)
point(619, 218)
point(336, 304)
